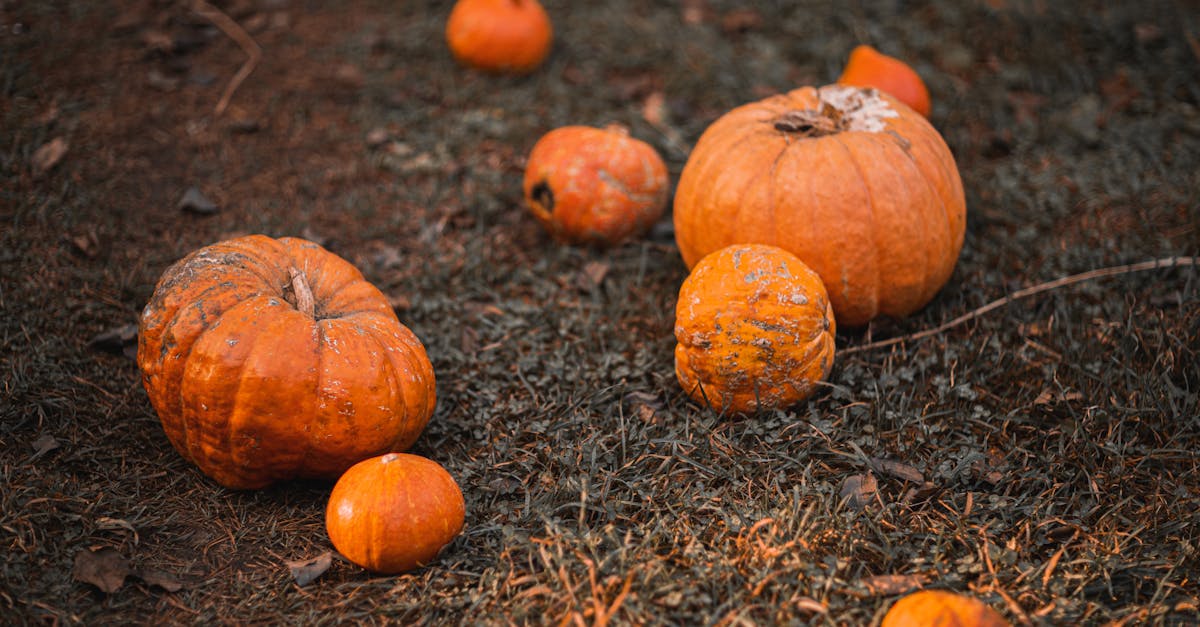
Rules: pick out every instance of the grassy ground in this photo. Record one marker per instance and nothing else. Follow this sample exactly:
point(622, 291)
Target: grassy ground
point(1041, 457)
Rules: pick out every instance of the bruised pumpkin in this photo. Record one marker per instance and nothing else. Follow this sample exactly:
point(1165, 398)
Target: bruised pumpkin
point(867, 67)
point(940, 608)
point(859, 187)
point(500, 36)
point(754, 328)
point(595, 186)
point(394, 513)
point(274, 359)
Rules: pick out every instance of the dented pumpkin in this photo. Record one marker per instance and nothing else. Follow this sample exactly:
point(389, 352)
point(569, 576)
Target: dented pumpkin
point(754, 328)
point(274, 359)
point(595, 186)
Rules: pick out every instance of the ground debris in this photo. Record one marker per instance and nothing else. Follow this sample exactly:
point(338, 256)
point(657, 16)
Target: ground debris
point(308, 570)
point(104, 568)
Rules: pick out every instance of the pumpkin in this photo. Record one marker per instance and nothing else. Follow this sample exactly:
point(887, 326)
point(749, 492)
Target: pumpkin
point(274, 359)
point(393, 513)
point(940, 608)
point(754, 328)
point(595, 186)
point(867, 67)
point(858, 186)
point(500, 36)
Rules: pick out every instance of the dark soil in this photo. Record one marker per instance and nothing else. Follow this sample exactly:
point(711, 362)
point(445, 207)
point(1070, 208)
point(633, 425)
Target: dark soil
point(1042, 457)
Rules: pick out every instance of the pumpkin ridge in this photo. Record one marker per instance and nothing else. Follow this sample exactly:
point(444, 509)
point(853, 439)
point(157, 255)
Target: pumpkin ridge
point(933, 267)
point(396, 385)
point(877, 275)
point(187, 429)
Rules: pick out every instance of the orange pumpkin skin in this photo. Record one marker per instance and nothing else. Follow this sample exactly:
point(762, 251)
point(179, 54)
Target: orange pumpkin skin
point(939, 608)
point(499, 36)
point(274, 359)
point(595, 186)
point(393, 513)
point(754, 329)
point(867, 67)
point(860, 188)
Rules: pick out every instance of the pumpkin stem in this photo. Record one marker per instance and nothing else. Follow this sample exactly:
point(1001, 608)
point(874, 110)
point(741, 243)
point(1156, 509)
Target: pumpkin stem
point(304, 301)
point(828, 120)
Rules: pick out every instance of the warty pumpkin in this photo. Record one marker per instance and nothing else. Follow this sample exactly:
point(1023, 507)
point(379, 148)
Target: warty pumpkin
point(274, 359)
point(500, 36)
point(393, 513)
point(860, 188)
point(867, 67)
point(755, 330)
point(595, 186)
point(941, 608)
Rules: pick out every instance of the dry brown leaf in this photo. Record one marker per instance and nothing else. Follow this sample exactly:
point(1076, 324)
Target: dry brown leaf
point(44, 444)
point(899, 470)
point(45, 158)
point(160, 578)
point(103, 568)
point(888, 585)
point(305, 571)
point(859, 490)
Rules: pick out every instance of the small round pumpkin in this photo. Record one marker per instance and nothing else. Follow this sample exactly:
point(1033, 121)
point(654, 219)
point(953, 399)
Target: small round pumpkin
point(500, 36)
point(595, 186)
point(393, 513)
point(940, 608)
point(867, 67)
point(754, 328)
point(274, 359)
point(858, 186)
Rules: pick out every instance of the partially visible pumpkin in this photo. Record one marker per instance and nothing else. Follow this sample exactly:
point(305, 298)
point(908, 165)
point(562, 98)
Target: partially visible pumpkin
point(867, 67)
point(274, 359)
point(502, 36)
point(394, 513)
point(860, 188)
point(940, 608)
point(595, 185)
point(754, 328)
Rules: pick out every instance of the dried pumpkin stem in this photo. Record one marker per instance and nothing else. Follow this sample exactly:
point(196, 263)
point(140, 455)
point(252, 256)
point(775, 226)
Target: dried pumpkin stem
point(304, 301)
point(828, 120)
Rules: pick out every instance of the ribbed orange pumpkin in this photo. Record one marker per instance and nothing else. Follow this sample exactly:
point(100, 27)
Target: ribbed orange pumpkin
point(867, 67)
point(939, 608)
point(754, 330)
point(274, 359)
point(595, 185)
point(861, 189)
point(393, 513)
point(502, 36)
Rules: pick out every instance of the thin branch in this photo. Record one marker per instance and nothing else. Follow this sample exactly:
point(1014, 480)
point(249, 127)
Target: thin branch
point(235, 32)
point(1169, 262)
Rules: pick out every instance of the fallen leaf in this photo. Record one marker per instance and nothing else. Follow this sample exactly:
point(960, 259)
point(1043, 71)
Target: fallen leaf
point(695, 11)
point(111, 524)
point(160, 578)
point(888, 585)
point(305, 571)
point(45, 158)
point(195, 201)
point(859, 490)
point(104, 568)
point(740, 21)
point(897, 469)
point(44, 444)
point(592, 275)
point(120, 340)
point(654, 108)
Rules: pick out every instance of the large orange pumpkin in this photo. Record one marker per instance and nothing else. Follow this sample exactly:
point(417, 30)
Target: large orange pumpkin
point(595, 186)
point(859, 187)
point(941, 608)
point(393, 513)
point(274, 359)
point(502, 36)
point(754, 329)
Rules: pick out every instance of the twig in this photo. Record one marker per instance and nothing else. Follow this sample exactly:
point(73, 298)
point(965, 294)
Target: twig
point(235, 32)
point(1169, 262)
